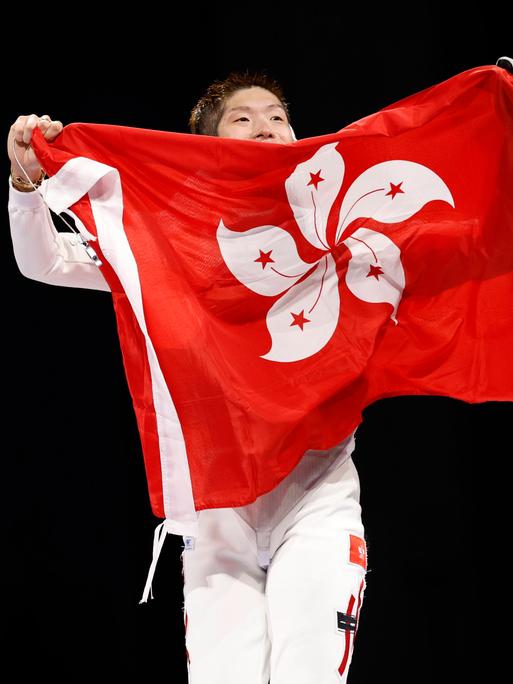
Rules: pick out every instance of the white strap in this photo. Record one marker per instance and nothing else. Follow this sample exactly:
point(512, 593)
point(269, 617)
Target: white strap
point(263, 551)
point(158, 541)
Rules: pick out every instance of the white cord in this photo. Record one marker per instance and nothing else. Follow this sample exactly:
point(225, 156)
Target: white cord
point(90, 251)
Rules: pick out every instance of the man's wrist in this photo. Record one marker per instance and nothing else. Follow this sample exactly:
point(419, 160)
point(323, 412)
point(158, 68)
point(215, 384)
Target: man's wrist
point(24, 185)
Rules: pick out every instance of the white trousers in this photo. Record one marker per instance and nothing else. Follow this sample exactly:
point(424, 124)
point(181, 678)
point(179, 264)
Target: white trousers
point(294, 623)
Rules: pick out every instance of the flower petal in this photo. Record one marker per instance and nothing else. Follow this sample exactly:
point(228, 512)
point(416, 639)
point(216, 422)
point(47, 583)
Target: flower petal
point(375, 273)
point(305, 318)
point(391, 192)
point(312, 189)
point(265, 258)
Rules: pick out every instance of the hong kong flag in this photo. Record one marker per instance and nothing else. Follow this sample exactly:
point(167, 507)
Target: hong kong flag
point(266, 294)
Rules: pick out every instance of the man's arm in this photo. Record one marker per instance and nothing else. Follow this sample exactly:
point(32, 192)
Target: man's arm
point(41, 252)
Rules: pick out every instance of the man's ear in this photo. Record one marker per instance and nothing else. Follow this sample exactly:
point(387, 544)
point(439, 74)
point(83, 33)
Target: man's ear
point(293, 134)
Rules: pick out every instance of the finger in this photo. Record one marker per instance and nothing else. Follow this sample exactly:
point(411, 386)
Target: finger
point(28, 128)
point(505, 63)
point(44, 125)
point(44, 121)
point(53, 130)
point(18, 128)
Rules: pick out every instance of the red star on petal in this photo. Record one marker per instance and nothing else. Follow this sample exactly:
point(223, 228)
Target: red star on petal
point(265, 258)
point(299, 319)
point(395, 189)
point(315, 179)
point(374, 271)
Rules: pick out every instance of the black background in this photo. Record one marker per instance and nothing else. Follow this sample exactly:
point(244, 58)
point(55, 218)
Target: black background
point(78, 529)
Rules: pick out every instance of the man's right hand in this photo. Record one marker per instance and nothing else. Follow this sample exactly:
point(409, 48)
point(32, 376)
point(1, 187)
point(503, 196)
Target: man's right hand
point(21, 133)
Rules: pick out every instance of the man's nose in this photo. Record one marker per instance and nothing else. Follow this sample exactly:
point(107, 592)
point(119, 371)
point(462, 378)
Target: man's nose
point(264, 131)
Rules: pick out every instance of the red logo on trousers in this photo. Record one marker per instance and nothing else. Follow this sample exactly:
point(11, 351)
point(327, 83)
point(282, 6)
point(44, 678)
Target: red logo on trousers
point(357, 551)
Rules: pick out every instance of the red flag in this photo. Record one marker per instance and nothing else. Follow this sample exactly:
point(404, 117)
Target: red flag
point(266, 294)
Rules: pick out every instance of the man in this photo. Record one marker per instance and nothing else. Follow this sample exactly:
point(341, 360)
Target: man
point(272, 590)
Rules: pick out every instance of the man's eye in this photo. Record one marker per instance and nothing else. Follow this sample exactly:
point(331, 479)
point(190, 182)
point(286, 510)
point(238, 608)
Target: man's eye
point(276, 116)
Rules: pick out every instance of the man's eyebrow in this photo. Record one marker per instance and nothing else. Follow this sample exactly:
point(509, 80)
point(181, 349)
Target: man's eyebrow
point(246, 108)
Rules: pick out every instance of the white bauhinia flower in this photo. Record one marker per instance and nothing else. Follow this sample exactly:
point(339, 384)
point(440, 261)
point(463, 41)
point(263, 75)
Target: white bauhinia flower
point(266, 259)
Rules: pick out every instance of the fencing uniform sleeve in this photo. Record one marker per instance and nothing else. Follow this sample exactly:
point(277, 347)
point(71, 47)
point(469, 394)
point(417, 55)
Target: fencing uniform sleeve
point(43, 253)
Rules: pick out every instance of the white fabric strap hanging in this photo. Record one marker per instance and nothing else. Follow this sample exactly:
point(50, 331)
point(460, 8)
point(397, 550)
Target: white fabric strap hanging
point(158, 541)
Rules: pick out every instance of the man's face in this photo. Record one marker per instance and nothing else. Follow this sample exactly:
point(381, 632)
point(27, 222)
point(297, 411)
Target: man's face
point(254, 114)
